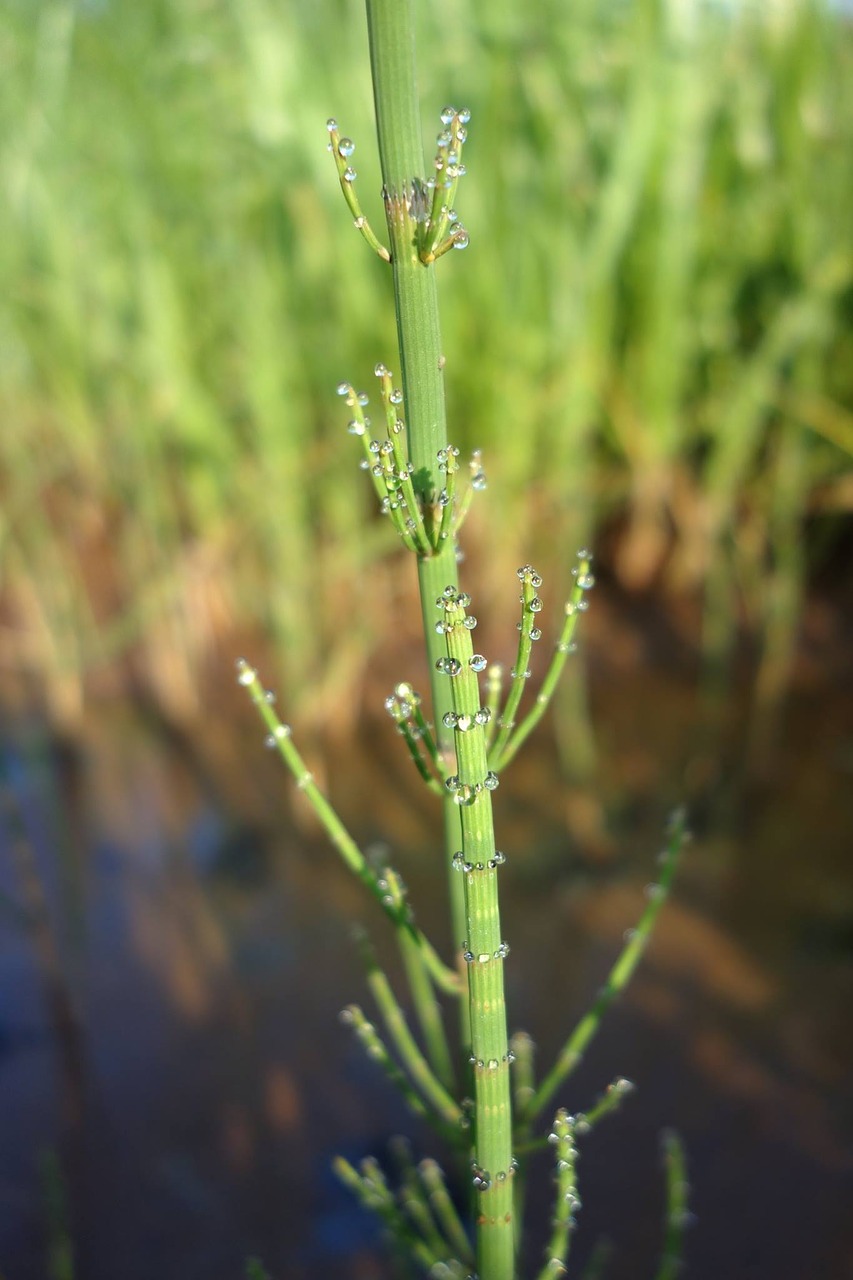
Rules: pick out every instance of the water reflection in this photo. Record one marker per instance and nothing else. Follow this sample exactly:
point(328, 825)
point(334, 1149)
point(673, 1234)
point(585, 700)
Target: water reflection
point(169, 1001)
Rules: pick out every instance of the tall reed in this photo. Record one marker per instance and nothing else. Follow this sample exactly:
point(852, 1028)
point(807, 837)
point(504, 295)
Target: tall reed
point(490, 1115)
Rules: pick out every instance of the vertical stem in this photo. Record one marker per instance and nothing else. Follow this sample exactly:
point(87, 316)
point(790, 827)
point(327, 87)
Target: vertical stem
point(484, 953)
point(468, 812)
point(392, 55)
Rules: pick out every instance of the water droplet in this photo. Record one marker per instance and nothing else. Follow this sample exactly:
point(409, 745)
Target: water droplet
point(457, 862)
point(464, 115)
point(461, 240)
point(362, 398)
point(535, 605)
point(452, 782)
point(654, 891)
point(477, 662)
point(498, 858)
point(349, 174)
point(567, 647)
point(621, 1086)
point(535, 634)
point(586, 581)
point(343, 388)
point(629, 935)
point(464, 795)
point(468, 956)
point(346, 146)
point(582, 606)
point(355, 428)
point(464, 723)
point(453, 667)
point(246, 675)
point(331, 125)
point(447, 115)
point(502, 951)
point(396, 396)
point(535, 580)
point(483, 716)
point(450, 720)
point(584, 554)
point(491, 781)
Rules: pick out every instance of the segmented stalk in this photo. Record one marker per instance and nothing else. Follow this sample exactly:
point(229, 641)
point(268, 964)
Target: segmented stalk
point(392, 55)
point(484, 950)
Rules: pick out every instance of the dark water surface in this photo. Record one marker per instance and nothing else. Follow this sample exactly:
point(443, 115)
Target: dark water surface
point(200, 927)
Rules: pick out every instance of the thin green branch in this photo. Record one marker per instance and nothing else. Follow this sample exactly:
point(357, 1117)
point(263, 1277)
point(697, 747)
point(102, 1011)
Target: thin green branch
point(677, 1215)
point(445, 1213)
point(585, 1121)
point(342, 150)
point(279, 738)
point(531, 605)
point(522, 1050)
point(567, 1201)
point(370, 1187)
point(501, 755)
point(375, 1048)
point(574, 1047)
point(494, 692)
point(611, 1100)
point(430, 1087)
point(403, 706)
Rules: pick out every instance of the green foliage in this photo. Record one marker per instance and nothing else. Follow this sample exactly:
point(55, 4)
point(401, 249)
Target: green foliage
point(668, 195)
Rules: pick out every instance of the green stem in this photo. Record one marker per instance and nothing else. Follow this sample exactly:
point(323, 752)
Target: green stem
point(445, 1213)
point(392, 55)
point(677, 1192)
point(484, 950)
point(414, 1061)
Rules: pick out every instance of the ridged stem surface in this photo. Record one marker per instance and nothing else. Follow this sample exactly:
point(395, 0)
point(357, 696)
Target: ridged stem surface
point(392, 55)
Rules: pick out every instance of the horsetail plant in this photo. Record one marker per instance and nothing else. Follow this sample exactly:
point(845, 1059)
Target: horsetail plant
point(484, 1100)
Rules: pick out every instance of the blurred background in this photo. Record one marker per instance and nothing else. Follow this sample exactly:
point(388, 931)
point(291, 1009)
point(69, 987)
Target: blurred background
point(650, 339)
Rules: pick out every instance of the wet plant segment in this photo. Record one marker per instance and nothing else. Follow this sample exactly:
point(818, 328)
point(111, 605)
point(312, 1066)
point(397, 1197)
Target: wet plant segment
point(458, 751)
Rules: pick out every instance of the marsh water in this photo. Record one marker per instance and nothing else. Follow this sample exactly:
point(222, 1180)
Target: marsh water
point(169, 1032)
